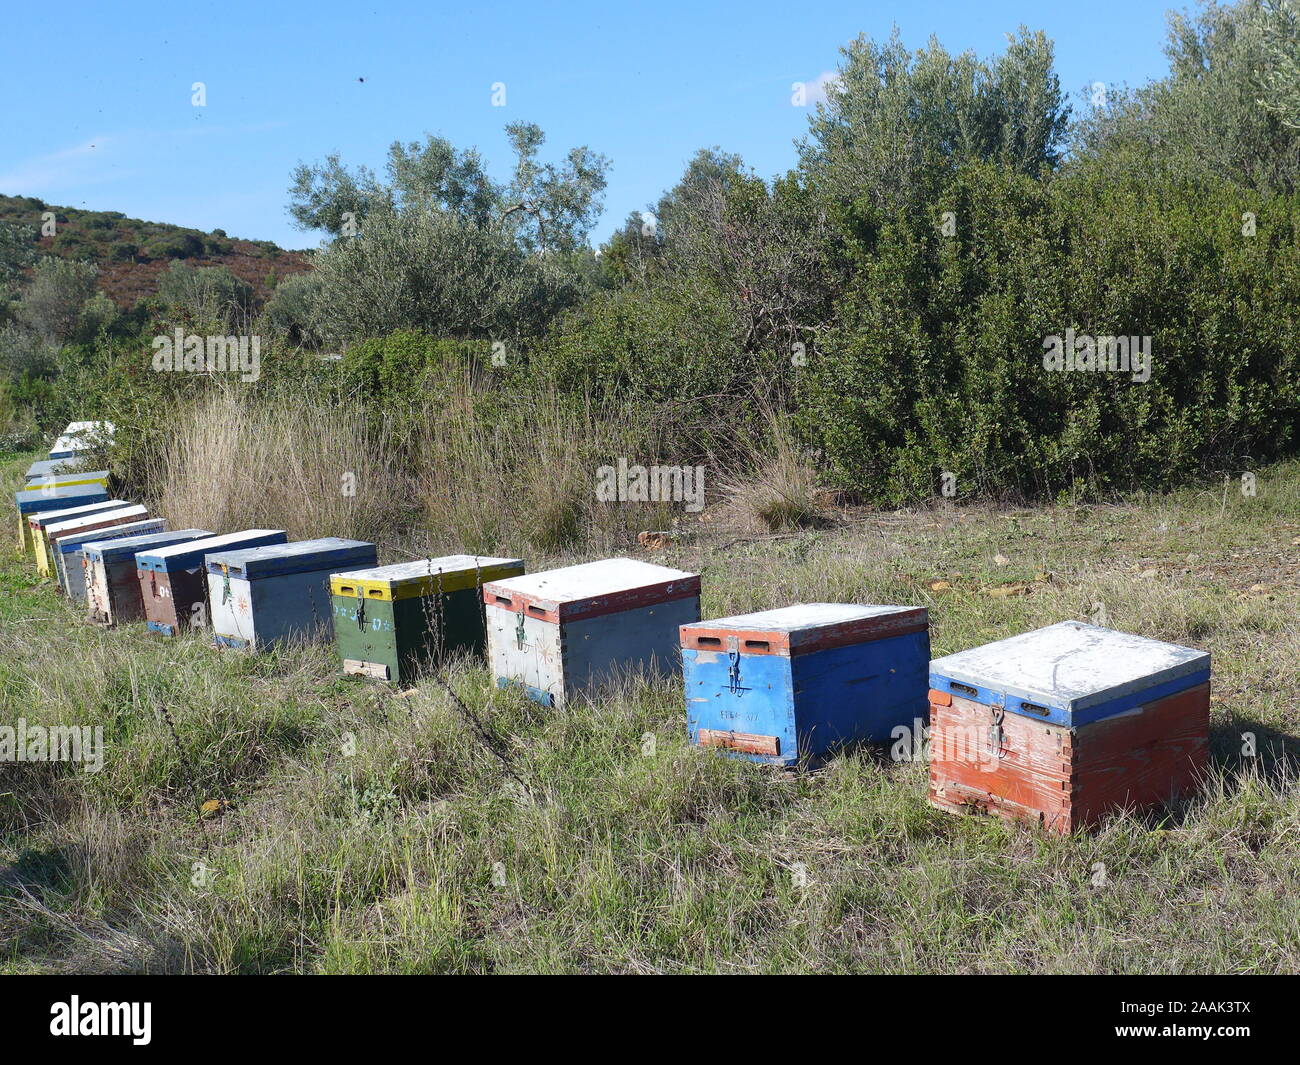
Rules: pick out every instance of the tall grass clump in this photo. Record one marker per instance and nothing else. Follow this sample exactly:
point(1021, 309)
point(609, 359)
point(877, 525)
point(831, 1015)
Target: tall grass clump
point(501, 471)
point(284, 459)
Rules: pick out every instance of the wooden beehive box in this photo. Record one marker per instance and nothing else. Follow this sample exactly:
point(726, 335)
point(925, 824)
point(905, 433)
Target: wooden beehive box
point(173, 581)
point(54, 531)
point(38, 499)
point(36, 524)
point(81, 437)
point(262, 596)
point(782, 686)
point(565, 632)
point(112, 587)
point(59, 480)
point(391, 620)
point(71, 552)
point(47, 467)
point(1064, 724)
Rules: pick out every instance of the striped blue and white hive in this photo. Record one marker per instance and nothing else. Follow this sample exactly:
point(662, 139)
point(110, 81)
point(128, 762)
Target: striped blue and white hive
point(1071, 673)
point(780, 686)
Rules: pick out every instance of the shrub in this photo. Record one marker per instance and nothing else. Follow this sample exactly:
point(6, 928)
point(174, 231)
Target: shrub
point(936, 361)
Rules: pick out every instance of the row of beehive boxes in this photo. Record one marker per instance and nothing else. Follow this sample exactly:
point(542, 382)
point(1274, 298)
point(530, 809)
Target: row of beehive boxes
point(1056, 726)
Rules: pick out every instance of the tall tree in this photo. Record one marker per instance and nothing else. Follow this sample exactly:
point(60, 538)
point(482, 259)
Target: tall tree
point(1210, 119)
point(897, 124)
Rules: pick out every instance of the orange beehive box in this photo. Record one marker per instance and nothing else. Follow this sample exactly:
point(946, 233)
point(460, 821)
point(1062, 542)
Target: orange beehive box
point(1065, 724)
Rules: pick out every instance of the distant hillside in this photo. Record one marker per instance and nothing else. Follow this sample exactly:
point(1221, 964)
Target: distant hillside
point(131, 253)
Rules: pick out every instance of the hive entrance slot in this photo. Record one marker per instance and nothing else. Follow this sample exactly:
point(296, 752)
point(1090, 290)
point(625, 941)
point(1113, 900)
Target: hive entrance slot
point(758, 645)
point(710, 641)
point(1034, 708)
point(503, 599)
point(536, 610)
point(963, 689)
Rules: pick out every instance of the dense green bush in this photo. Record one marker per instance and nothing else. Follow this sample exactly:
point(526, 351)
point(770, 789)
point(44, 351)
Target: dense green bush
point(396, 369)
point(657, 342)
point(935, 362)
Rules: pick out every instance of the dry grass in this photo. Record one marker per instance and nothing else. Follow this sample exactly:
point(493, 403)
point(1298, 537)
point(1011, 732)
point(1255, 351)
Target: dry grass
point(775, 485)
point(465, 472)
point(285, 462)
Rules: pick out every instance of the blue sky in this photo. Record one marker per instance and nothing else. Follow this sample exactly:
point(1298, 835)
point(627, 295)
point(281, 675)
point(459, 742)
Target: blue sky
point(97, 108)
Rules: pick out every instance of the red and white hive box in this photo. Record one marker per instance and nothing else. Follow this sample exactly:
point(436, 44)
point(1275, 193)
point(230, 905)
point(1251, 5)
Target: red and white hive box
point(565, 632)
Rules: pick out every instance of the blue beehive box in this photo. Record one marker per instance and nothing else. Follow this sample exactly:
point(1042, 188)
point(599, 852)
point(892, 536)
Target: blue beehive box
point(784, 685)
point(263, 595)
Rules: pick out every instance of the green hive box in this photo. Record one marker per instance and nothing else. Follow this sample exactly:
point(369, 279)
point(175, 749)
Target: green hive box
point(391, 620)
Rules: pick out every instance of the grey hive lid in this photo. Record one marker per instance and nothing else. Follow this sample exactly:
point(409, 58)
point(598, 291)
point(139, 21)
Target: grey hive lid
point(190, 554)
point(301, 556)
point(130, 546)
point(1071, 665)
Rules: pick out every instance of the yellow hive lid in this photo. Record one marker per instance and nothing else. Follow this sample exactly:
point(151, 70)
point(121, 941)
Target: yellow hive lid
point(426, 576)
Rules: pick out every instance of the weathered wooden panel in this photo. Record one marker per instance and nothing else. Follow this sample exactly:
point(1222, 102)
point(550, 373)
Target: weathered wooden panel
point(989, 752)
point(526, 651)
point(375, 670)
point(744, 742)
